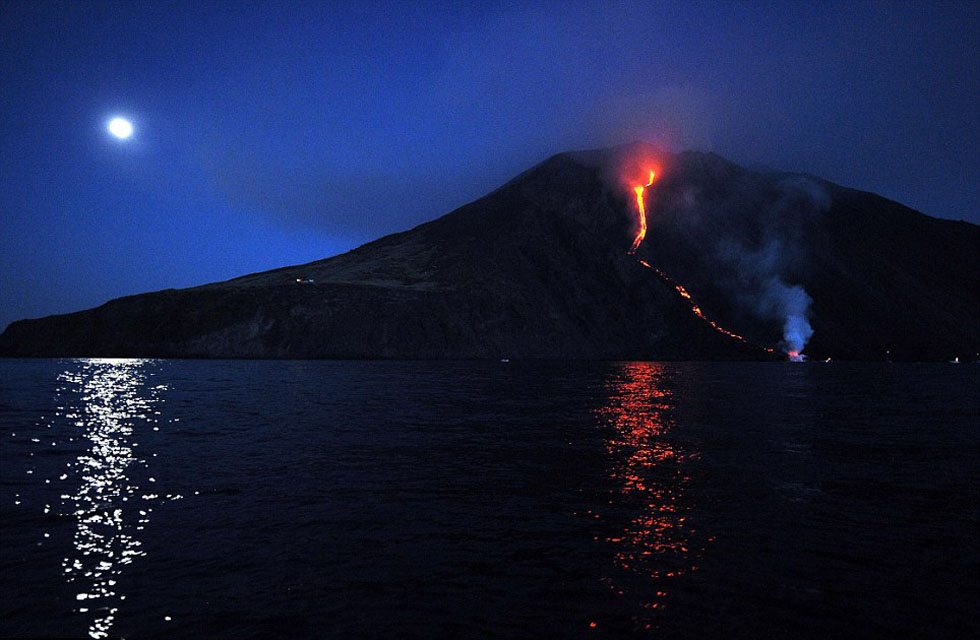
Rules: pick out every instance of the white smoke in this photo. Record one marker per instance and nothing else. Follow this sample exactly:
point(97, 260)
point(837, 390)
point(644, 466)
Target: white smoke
point(762, 288)
point(796, 332)
point(766, 266)
point(792, 304)
point(756, 229)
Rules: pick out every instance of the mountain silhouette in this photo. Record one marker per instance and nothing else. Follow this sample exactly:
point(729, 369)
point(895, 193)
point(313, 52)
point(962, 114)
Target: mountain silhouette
point(735, 264)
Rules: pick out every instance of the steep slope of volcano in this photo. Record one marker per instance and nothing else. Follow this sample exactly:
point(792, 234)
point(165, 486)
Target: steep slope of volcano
point(883, 280)
point(540, 268)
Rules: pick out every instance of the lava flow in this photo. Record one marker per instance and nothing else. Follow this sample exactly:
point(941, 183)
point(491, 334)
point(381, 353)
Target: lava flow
point(641, 207)
point(695, 309)
point(641, 234)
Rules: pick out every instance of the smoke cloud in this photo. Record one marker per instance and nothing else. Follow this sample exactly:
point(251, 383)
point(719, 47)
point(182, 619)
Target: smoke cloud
point(764, 255)
point(800, 200)
point(791, 303)
point(763, 288)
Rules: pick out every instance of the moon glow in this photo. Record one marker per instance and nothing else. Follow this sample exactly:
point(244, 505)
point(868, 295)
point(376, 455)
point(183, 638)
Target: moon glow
point(121, 128)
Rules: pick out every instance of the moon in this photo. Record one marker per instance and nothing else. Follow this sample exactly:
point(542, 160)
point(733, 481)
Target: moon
point(121, 128)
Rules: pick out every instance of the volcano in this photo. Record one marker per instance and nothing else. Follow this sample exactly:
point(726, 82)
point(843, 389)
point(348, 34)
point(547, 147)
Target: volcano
point(730, 264)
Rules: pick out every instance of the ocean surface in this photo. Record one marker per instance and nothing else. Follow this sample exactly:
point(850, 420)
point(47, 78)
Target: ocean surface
point(243, 499)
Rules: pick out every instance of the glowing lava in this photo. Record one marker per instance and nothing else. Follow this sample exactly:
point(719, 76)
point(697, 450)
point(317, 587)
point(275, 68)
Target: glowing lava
point(641, 207)
point(695, 309)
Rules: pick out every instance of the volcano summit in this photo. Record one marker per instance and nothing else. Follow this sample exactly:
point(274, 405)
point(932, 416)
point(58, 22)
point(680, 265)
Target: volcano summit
point(725, 263)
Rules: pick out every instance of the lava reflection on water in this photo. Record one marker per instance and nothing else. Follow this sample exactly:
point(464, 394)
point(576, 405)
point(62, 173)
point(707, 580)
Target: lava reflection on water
point(655, 539)
point(110, 401)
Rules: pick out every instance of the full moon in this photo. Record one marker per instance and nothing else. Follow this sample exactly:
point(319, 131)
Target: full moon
point(121, 128)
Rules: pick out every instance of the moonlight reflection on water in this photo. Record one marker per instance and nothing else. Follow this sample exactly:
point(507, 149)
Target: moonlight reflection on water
point(110, 401)
point(420, 500)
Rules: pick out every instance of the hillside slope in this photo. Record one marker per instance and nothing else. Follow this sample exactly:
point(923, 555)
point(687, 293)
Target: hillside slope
point(540, 268)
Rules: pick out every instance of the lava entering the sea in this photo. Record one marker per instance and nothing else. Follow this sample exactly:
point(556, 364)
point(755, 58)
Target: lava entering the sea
point(640, 190)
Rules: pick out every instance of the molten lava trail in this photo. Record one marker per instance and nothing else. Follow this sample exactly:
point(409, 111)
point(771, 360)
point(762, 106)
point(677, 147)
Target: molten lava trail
point(695, 309)
point(641, 207)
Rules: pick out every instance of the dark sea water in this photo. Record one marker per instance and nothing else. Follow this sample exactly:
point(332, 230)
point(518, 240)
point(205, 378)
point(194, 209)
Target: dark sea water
point(237, 499)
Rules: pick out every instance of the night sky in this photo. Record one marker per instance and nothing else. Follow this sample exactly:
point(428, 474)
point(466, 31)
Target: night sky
point(280, 133)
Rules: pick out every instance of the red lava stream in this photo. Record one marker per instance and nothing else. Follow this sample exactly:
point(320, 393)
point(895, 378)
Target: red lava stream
point(640, 191)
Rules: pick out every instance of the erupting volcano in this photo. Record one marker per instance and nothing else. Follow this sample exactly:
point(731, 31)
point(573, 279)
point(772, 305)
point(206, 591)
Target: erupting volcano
point(543, 267)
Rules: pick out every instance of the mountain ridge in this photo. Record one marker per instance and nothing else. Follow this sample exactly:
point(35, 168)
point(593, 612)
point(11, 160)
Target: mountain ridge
point(538, 268)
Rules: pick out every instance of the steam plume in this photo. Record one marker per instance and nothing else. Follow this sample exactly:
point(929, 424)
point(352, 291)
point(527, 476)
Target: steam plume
point(764, 264)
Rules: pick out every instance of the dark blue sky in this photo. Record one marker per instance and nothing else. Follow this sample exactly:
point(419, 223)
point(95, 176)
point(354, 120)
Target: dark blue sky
point(279, 133)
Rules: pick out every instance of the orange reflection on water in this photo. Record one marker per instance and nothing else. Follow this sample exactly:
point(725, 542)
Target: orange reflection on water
point(656, 540)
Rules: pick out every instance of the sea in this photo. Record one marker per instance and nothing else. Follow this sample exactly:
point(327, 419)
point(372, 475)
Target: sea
point(373, 499)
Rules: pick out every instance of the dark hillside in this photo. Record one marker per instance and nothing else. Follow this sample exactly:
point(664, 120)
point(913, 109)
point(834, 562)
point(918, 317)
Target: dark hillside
point(539, 269)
